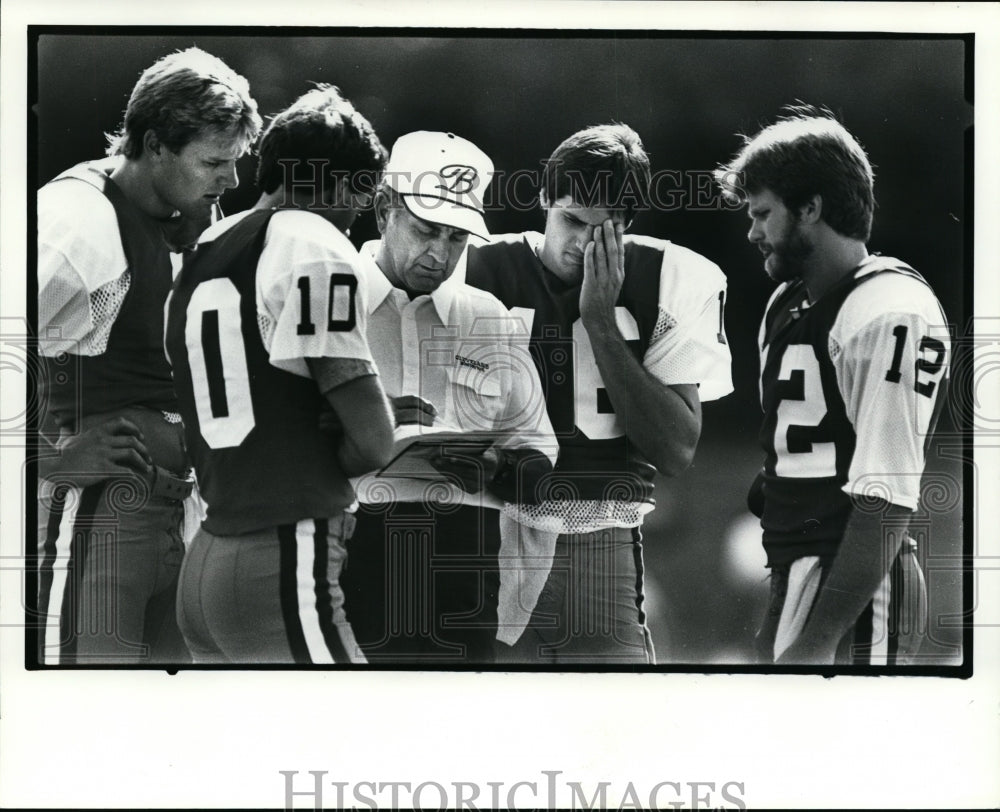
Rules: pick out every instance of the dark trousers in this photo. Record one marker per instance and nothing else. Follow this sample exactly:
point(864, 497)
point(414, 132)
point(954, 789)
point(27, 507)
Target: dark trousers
point(421, 583)
point(108, 558)
point(591, 608)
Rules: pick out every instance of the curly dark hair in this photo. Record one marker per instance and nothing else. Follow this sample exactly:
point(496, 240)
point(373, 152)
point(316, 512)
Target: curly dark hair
point(320, 137)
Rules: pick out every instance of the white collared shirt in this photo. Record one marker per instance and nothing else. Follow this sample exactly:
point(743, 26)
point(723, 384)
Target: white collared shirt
point(456, 348)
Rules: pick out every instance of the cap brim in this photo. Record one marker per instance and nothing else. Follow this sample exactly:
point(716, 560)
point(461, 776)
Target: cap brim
point(445, 213)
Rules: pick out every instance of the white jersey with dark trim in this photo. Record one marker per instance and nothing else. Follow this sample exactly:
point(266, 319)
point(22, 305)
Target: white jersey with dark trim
point(850, 386)
point(670, 313)
point(261, 294)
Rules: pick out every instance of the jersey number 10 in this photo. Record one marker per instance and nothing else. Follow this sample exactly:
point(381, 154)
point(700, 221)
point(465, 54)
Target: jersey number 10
point(217, 353)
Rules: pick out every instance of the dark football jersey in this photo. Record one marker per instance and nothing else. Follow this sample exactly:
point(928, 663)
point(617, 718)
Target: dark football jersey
point(253, 429)
point(850, 388)
point(132, 370)
point(596, 459)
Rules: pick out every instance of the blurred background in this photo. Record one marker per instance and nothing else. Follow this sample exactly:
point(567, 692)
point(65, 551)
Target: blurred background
point(517, 97)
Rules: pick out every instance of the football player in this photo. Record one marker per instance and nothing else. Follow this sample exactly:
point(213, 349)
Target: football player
point(112, 488)
point(627, 333)
point(854, 358)
point(266, 335)
point(424, 582)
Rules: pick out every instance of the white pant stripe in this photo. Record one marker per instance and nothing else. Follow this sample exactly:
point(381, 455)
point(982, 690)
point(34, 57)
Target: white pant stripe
point(305, 557)
point(803, 585)
point(880, 621)
point(52, 635)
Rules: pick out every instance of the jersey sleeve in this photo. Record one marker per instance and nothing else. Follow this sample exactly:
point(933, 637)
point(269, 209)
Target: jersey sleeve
point(311, 296)
point(891, 363)
point(689, 344)
point(82, 271)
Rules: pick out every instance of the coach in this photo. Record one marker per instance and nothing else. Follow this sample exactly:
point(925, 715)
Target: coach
point(422, 578)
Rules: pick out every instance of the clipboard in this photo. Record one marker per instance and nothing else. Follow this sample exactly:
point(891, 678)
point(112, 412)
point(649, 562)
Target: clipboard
point(413, 450)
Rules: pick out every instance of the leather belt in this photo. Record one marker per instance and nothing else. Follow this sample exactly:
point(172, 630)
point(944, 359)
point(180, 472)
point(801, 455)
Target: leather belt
point(168, 486)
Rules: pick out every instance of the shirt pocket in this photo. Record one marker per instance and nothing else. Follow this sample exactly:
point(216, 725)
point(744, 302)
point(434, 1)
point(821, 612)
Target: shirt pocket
point(475, 398)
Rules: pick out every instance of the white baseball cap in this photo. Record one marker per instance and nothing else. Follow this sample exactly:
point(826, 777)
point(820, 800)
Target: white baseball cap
point(442, 178)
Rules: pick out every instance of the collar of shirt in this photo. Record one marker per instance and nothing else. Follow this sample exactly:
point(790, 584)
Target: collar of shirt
point(534, 240)
point(379, 285)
